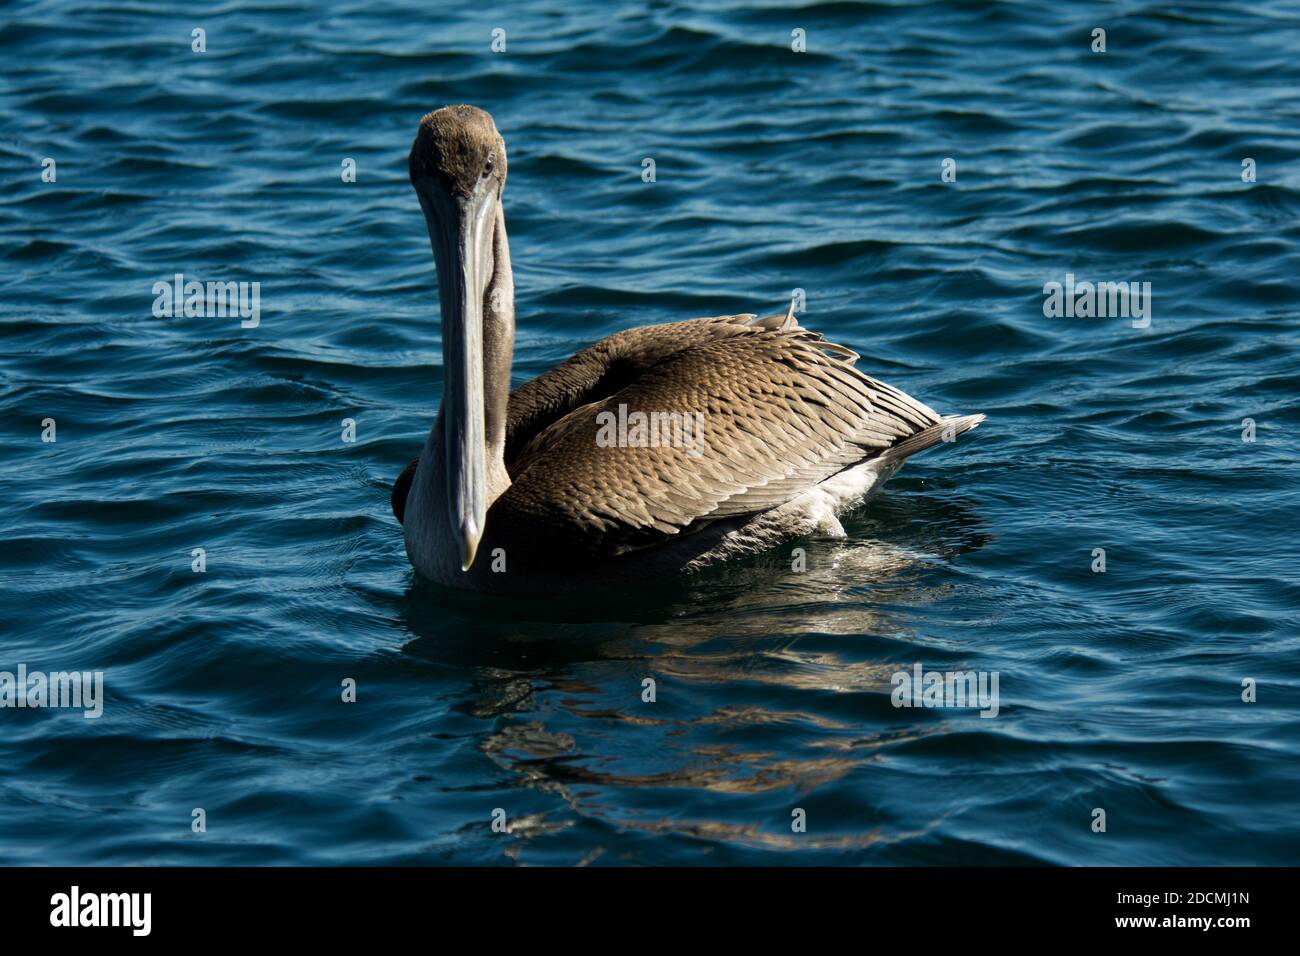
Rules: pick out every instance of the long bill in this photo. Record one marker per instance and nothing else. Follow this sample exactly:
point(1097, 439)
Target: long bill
point(461, 235)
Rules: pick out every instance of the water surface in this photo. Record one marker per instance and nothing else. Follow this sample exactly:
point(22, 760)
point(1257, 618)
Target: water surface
point(774, 170)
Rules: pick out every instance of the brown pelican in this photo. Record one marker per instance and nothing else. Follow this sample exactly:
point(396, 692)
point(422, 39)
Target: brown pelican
point(666, 448)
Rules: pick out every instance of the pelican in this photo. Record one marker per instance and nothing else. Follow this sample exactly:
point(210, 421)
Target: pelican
point(658, 450)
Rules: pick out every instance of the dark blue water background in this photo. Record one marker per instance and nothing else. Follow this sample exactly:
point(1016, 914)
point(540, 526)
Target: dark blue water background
point(775, 169)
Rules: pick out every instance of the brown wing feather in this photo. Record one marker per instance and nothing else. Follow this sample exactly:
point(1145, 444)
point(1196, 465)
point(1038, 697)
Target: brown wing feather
point(780, 414)
point(595, 372)
point(601, 370)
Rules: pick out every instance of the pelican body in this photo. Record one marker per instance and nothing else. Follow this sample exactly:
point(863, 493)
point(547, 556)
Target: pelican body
point(658, 450)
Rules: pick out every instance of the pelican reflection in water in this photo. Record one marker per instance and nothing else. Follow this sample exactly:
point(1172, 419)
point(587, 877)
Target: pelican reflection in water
point(658, 450)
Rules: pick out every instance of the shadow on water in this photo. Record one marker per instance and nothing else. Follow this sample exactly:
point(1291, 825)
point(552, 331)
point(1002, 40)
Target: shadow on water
point(743, 657)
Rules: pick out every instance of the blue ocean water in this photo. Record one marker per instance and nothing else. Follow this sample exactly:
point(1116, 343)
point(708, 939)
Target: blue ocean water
point(1119, 690)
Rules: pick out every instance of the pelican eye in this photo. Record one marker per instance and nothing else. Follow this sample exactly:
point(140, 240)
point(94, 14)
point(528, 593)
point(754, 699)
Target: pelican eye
point(487, 166)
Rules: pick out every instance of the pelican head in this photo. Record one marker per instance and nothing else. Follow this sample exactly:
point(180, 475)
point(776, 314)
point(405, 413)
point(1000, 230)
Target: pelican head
point(458, 169)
